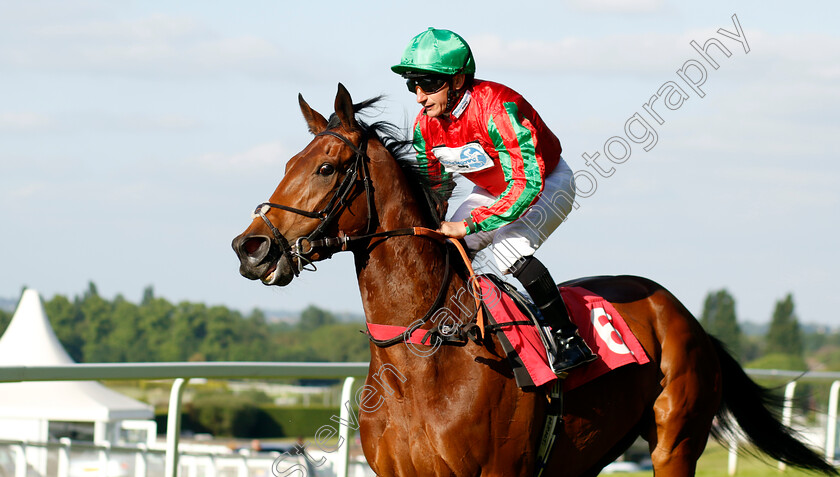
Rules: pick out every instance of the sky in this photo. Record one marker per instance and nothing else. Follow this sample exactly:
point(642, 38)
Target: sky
point(137, 137)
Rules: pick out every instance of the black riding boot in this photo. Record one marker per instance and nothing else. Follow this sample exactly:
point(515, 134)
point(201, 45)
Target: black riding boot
point(572, 350)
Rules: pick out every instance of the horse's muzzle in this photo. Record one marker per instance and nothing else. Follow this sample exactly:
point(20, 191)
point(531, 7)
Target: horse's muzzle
point(259, 259)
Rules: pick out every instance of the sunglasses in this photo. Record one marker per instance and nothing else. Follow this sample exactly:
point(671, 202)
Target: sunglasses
point(429, 84)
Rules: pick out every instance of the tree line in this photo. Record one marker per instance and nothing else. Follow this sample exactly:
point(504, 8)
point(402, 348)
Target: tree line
point(94, 329)
point(784, 346)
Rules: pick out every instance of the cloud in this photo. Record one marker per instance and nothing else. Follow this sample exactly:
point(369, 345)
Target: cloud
point(24, 121)
point(810, 55)
point(268, 156)
point(23, 191)
point(648, 53)
point(153, 45)
point(616, 6)
point(145, 122)
point(156, 27)
point(31, 122)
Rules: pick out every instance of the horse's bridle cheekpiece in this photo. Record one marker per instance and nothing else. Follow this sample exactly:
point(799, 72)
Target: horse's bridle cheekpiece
point(303, 247)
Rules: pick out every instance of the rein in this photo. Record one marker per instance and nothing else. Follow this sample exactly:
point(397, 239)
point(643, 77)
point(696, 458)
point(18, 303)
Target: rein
point(304, 247)
point(456, 333)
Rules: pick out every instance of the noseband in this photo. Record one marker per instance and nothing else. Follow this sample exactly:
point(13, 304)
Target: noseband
point(303, 247)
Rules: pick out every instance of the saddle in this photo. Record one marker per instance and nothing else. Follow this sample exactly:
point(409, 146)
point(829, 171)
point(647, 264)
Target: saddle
point(524, 337)
point(528, 348)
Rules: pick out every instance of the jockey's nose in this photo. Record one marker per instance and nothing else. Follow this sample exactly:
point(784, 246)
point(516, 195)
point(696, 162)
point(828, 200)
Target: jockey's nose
point(251, 249)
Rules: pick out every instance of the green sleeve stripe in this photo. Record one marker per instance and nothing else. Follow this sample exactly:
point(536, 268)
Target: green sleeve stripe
point(507, 209)
point(528, 155)
point(527, 151)
point(421, 150)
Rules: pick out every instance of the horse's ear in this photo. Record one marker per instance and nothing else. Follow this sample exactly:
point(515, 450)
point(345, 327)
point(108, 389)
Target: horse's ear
point(317, 124)
point(344, 108)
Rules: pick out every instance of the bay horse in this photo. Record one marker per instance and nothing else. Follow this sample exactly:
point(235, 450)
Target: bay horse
point(458, 411)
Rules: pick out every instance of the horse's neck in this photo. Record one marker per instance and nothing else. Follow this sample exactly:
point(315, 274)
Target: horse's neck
point(399, 277)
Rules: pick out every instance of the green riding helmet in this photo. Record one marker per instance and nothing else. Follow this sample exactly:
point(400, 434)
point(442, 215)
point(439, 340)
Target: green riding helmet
point(436, 52)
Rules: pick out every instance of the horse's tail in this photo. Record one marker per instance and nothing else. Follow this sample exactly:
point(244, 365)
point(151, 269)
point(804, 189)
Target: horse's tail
point(756, 410)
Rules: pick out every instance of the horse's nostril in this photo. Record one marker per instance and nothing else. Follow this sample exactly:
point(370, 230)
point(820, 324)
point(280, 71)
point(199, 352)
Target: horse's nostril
point(252, 250)
point(252, 245)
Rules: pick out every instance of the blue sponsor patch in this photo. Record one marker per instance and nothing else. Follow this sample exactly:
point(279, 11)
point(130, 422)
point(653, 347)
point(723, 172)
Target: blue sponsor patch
point(468, 158)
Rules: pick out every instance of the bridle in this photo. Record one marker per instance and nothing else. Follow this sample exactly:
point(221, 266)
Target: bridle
point(304, 247)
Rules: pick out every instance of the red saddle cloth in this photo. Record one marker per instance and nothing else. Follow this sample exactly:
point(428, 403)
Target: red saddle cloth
point(599, 323)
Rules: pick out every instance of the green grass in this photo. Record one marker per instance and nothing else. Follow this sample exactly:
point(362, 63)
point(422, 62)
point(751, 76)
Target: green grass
point(714, 462)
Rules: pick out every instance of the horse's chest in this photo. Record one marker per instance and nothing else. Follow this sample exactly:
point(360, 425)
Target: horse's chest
point(442, 436)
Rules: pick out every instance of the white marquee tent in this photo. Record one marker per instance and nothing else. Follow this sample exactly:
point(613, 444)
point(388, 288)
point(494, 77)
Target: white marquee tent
point(27, 408)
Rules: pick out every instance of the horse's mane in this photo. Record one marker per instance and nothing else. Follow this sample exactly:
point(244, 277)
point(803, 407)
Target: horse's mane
point(431, 191)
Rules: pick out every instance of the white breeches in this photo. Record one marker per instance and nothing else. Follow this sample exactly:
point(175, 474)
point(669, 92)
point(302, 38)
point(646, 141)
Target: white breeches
point(523, 236)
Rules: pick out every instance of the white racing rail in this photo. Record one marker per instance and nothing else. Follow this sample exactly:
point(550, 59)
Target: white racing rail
point(181, 373)
point(792, 377)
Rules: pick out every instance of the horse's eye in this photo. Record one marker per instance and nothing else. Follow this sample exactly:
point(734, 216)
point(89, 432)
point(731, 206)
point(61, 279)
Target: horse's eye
point(326, 169)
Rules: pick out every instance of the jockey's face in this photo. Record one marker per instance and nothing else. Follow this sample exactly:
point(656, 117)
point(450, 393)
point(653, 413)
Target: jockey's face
point(434, 103)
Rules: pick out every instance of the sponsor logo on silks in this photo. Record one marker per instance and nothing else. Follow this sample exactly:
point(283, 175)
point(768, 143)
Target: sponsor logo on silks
point(467, 158)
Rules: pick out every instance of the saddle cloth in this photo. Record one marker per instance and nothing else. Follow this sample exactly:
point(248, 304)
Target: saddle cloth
point(599, 324)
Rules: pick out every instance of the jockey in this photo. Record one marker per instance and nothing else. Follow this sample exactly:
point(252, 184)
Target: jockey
point(489, 134)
